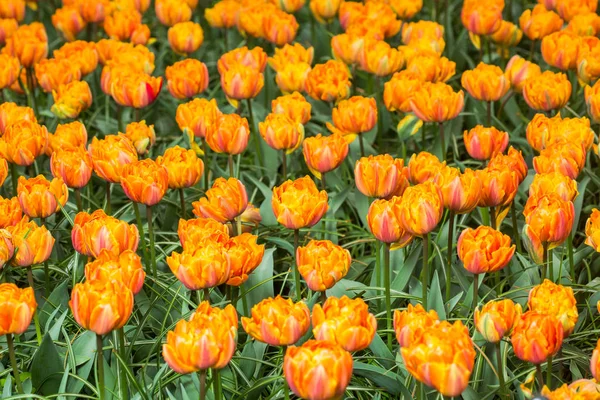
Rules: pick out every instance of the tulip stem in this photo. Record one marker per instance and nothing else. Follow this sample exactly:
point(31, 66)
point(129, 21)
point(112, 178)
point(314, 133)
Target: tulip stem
point(296, 271)
point(493, 218)
point(284, 165)
point(108, 205)
point(78, 199)
point(549, 372)
point(540, 376)
point(323, 182)
point(202, 376)
point(531, 50)
point(13, 362)
point(362, 144)
point(513, 212)
point(151, 237)
point(500, 371)
point(46, 268)
point(230, 165)
point(449, 251)
point(388, 294)
point(544, 260)
point(122, 375)
point(443, 139)
point(182, 202)
point(571, 261)
point(100, 366)
point(475, 290)
point(550, 266)
point(217, 384)
point(36, 319)
point(206, 295)
point(205, 172)
point(256, 136)
point(489, 113)
point(425, 273)
point(29, 90)
point(14, 177)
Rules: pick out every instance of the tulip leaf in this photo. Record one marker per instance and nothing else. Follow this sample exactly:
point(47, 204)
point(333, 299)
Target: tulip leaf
point(380, 349)
point(47, 367)
point(404, 271)
point(382, 377)
point(346, 287)
point(435, 298)
point(83, 372)
point(59, 299)
point(84, 347)
point(578, 203)
point(260, 283)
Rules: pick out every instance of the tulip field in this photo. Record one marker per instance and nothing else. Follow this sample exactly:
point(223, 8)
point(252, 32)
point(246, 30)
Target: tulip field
point(299, 199)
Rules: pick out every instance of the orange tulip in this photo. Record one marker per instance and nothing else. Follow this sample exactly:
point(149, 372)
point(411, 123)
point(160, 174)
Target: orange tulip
point(324, 153)
point(81, 53)
point(40, 198)
point(561, 49)
point(430, 68)
point(13, 9)
point(536, 336)
point(322, 263)
point(139, 58)
point(7, 249)
point(67, 137)
point(412, 322)
point(68, 21)
point(482, 143)
point(380, 58)
point(145, 181)
point(406, 9)
point(229, 134)
point(299, 204)
point(538, 130)
point(568, 9)
point(141, 136)
point(436, 102)
point(135, 89)
point(250, 18)
point(385, 224)
point(52, 73)
point(101, 306)
point(518, 70)
point(250, 218)
point(223, 14)
point(584, 25)
point(110, 155)
point(281, 132)
point(460, 191)
point(8, 26)
point(23, 142)
point(595, 361)
point(95, 232)
point(9, 70)
point(324, 10)
point(592, 230)
point(125, 268)
point(548, 91)
point(18, 307)
point(399, 90)
point(240, 82)
point(557, 300)
point(33, 244)
point(279, 27)
point(421, 208)
point(317, 361)
point(183, 167)
point(329, 82)
point(380, 176)
point(71, 99)
point(441, 357)
point(185, 37)
point(208, 340)
point(484, 250)
point(94, 10)
point(348, 48)
point(344, 321)
point(187, 78)
point(294, 106)
point(292, 77)
point(499, 185)
point(588, 68)
point(513, 161)
point(225, 201)
point(10, 212)
point(539, 22)
point(548, 223)
point(553, 183)
point(423, 167)
point(353, 116)
point(291, 54)
point(29, 43)
point(11, 113)
point(277, 321)
point(192, 233)
point(482, 18)
point(412, 32)
point(73, 166)
point(568, 158)
point(206, 266)
point(255, 59)
point(497, 319)
point(592, 100)
point(245, 255)
point(289, 6)
point(508, 35)
point(171, 12)
point(120, 24)
point(485, 82)
point(197, 116)
point(3, 171)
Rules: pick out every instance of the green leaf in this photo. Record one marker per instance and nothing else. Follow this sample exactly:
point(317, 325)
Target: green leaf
point(47, 367)
point(384, 378)
point(260, 283)
point(436, 301)
point(59, 299)
point(84, 347)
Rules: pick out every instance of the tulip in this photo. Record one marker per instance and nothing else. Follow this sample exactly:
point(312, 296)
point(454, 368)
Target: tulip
point(18, 307)
point(206, 266)
point(23, 141)
point(441, 357)
point(192, 233)
point(94, 11)
point(344, 321)
point(314, 362)
point(125, 268)
point(430, 68)
point(412, 31)
point(298, 204)
point(539, 22)
point(81, 53)
point(11, 113)
point(592, 100)
point(138, 57)
point(277, 321)
point(251, 16)
point(482, 143)
point(384, 222)
point(380, 176)
point(279, 27)
point(223, 14)
point(595, 361)
point(568, 9)
point(171, 12)
point(406, 9)
point(561, 49)
point(135, 89)
point(538, 130)
point(73, 166)
point(33, 243)
point(281, 132)
point(68, 21)
point(323, 154)
point(208, 340)
point(508, 35)
point(592, 230)
point(324, 10)
point(96, 232)
point(120, 24)
point(348, 48)
point(240, 83)
point(498, 186)
point(52, 73)
point(484, 250)
point(13, 9)
point(399, 90)
point(410, 324)
point(7, 249)
point(423, 167)
point(29, 43)
point(110, 155)
point(436, 102)
point(141, 136)
point(198, 116)
point(40, 198)
point(289, 6)
point(183, 167)
point(380, 59)
point(496, 319)
point(8, 26)
point(187, 78)
point(225, 201)
point(3, 171)
point(71, 99)
point(9, 70)
point(292, 77)
point(10, 212)
point(329, 82)
point(145, 181)
point(553, 183)
point(557, 300)
point(460, 191)
point(482, 19)
point(536, 337)
point(518, 70)
point(322, 263)
point(568, 158)
point(255, 59)
point(293, 105)
point(245, 255)
point(185, 37)
point(548, 91)
point(485, 82)
point(250, 219)
point(421, 208)
point(354, 116)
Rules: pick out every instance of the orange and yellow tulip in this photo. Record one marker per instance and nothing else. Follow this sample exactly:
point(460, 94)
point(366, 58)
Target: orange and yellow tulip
point(518, 70)
point(348, 48)
point(73, 166)
point(185, 37)
point(29, 43)
point(565, 157)
point(381, 176)
point(354, 116)
point(11, 113)
point(279, 27)
point(294, 105)
point(588, 68)
point(561, 50)
point(399, 90)
point(110, 155)
point(484, 250)
point(324, 10)
point(329, 82)
point(460, 191)
point(192, 233)
point(496, 319)
point(206, 266)
point(33, 244)
point(384, 222)
point(9, 70)
point(7, 249)
point(23, 141)
point(13, 9)
point(40, 198)
point(592, 230)
point(187, 78)
point(229, 134)
point(556, 300)
point(197, 116)
point(171, 12)
point(141, 135)
point(421, 208)
point(485, 82)
point(431, 68)
point(281, 132)
point(290, 54)
point(81, 53)
point(68, 21)
point(436, 102)
point(223, 14)
point(409, 324)
point(255, 59)
point(482, 143)
point(323, 154)
point(292, 77)
point(8, 26)
point(135, 89)
point(423, 167)
point(568, 9)
point(10, 212)
point(71, 99)
point(145, 181)
point(547, 91)
point(94, 10)
point(299, 204)
point(482, 18)
point(536, 336)
point(553, 183)
point(322, 263)
point(121, 24)
point(539, 22)
point(380, 59)
point(125, 268)
point(18, 307)
point(499, 185)
point(183, 167)
point(52, 73)
point(225, 201)
point(245, 255)
point(240, 82)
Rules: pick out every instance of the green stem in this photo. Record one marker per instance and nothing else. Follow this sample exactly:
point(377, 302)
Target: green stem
point(30, 91)
point(202, 376)
point(244, 302)
point(284, 166)
point(256, 136)
point(549, 373)
point(230, 165)
point(323, 182)
point(217, 384)
point(122, 374)
point(138, 219)
point(296, 271)
point(108, 209)
point(362, 144)
point(571, 261)
point(78, 199)
point(378, 268)
point(531, 50)
point(182, 202)
point(503, 392)
point(207, 295)
point(493, 218)
point(14, 178)
point(550, 265)
point(449, 252)
point(36, 318)
point(388, 294)
point(489, 113)
point(443, 139)
point(151, 237)
point(475, 290)
point(425, 273)
point(205, 172)
point(47, 287)
point(13, 362)
point(513, 212)
point(100, 366)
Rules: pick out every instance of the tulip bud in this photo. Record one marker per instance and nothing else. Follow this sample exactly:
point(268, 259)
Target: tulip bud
point(481, 143)
point(187, 78)
point(278, 321)
point(548, 91)
point(33, 243)
point(225, 201)
point(496, 319)
point(18, 307)
point(125, 268)
point(324, 153)
point(183, 167)
point(299, 204)
point(322, 263)
point(536, 336)
point(410, 324)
